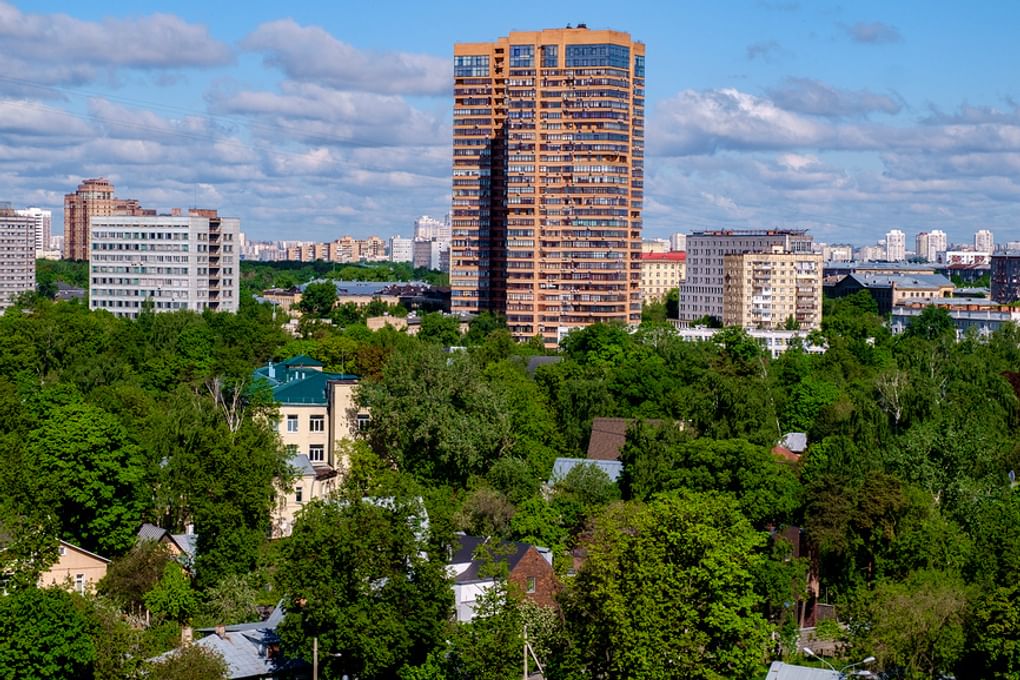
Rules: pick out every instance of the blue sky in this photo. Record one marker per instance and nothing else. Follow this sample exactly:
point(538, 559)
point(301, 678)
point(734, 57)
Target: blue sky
point(313, 120)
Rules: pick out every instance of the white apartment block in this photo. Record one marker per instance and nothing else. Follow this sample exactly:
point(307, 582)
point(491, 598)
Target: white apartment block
point(895, 246)
point(984, 242)
point(401, 249)
point(176, 261)
point(937, 244)
point(17, 255)
point(837, 252)
point(702, 292)
point(43, 221)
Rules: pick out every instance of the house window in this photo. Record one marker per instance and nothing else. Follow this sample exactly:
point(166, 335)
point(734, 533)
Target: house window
point(299, 495)
point(532, 584)
point(292, 423)
point(363, 421)
point(61, 551)
point(79, 583)
point(317, 423)
point(316, 453)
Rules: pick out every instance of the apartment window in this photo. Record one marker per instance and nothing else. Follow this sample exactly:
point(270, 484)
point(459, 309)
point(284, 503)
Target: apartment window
point(292, 423)
point(299, 495)
point(317, 423)
point(316, 453)
point(363, 421)
point(532, 584)
point(79, 583)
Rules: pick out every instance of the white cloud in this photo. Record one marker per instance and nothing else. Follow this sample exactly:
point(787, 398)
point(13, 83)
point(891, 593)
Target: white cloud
point(310, 53)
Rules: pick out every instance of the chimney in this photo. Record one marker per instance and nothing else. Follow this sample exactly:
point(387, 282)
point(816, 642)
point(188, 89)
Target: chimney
point(272, 369)
point(187, 635)
point(221, 631)
point(189, 529)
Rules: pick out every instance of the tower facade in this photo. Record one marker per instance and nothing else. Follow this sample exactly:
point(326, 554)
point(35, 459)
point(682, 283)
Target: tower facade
point(548, 179)
point(896, 245)
point(93, 198)
point(17, 254)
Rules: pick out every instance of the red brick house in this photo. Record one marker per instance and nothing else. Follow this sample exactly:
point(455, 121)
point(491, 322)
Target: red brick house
point(477, 562)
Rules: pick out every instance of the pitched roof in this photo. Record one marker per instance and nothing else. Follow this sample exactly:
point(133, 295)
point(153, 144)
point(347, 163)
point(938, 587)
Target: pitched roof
point(608, 435)
point(300, 380)
point(902, 282)
point(562, 467)
point(467, 552)
point(784, 671)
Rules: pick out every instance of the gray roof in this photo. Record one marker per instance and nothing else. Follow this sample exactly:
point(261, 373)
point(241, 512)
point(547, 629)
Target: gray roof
point(151, 532)
point(535, 362)
point(302, 465)
point(904, 282)
point(562, 466)
point(784, 671)
point(794, 441)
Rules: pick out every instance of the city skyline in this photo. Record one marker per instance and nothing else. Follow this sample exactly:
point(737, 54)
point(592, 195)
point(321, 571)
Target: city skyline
point(847, 122)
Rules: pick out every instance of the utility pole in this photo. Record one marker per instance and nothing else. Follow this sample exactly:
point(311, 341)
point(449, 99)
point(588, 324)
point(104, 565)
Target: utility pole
point(525, 651)
point(315, 658)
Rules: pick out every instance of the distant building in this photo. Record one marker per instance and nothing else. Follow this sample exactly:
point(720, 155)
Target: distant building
point(43, 220)
point(17, 254)
point(661, 272)
point(983, 316)
point(678, 242)
point(895, 246)
point(431, 255)
point(401, 249)
point(769, 290)
point(93, 198)
point(174, 261)
point(937, 244)
point(654, 245)
point(889, 291)
point(921, 246)
point(702, 291)
point(774, 342)
point(1006, 276)
point(984, 241)
point(429, 228)
point(871, 254)
point(838, 253)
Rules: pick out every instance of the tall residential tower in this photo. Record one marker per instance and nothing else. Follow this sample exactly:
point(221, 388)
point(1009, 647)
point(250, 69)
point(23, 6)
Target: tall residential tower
point(93, 198)
point(548, 179)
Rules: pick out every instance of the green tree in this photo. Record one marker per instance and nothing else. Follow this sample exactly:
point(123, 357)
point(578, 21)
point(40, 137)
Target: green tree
point(365, 577)
point(440, 329)
point(172, 598)
point(667, 591)
point(915, 628)
point(317, 299)
point(193, 662)
point(93, 472)
point(44, 636)
point(993, 645)
point(132, 575)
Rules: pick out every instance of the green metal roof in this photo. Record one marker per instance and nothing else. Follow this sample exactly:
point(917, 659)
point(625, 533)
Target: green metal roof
point(296, 381)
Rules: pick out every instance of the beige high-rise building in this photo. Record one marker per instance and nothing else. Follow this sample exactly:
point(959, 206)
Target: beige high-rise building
point(93, 198)
point(17, 254)
point(768, 290)
point(548, 179)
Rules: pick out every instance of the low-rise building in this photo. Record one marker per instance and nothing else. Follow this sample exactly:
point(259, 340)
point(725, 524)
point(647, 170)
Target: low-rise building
point(310, 482)
point(774, 342)
point(75, 568)
point(661, 272)
point(477, 563)
point(316, 408)
point(890, 291)
point(983, 317)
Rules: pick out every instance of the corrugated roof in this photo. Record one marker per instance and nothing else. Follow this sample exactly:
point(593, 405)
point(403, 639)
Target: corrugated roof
point(784, 671)
point(300, 380)
point(673, 256)
point(562, 466)
point(903, 282)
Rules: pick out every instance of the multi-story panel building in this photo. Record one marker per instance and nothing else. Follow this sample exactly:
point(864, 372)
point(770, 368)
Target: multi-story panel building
point(984, 241)
point(895, 246)
point(921, 245)
point(175, 261)
point(401, 249)
point(678, 241)
point(938, 242)
point(773, 290)
point(701, 294)
point(17, 254)
point(660, 273)
point(1006, 276)
point(93, 198)
point(548, 179)
point(838, 252)
point(43, 220)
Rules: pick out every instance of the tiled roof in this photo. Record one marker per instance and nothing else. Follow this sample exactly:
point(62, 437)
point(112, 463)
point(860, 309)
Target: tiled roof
point(608, 435)
point(674, 256)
